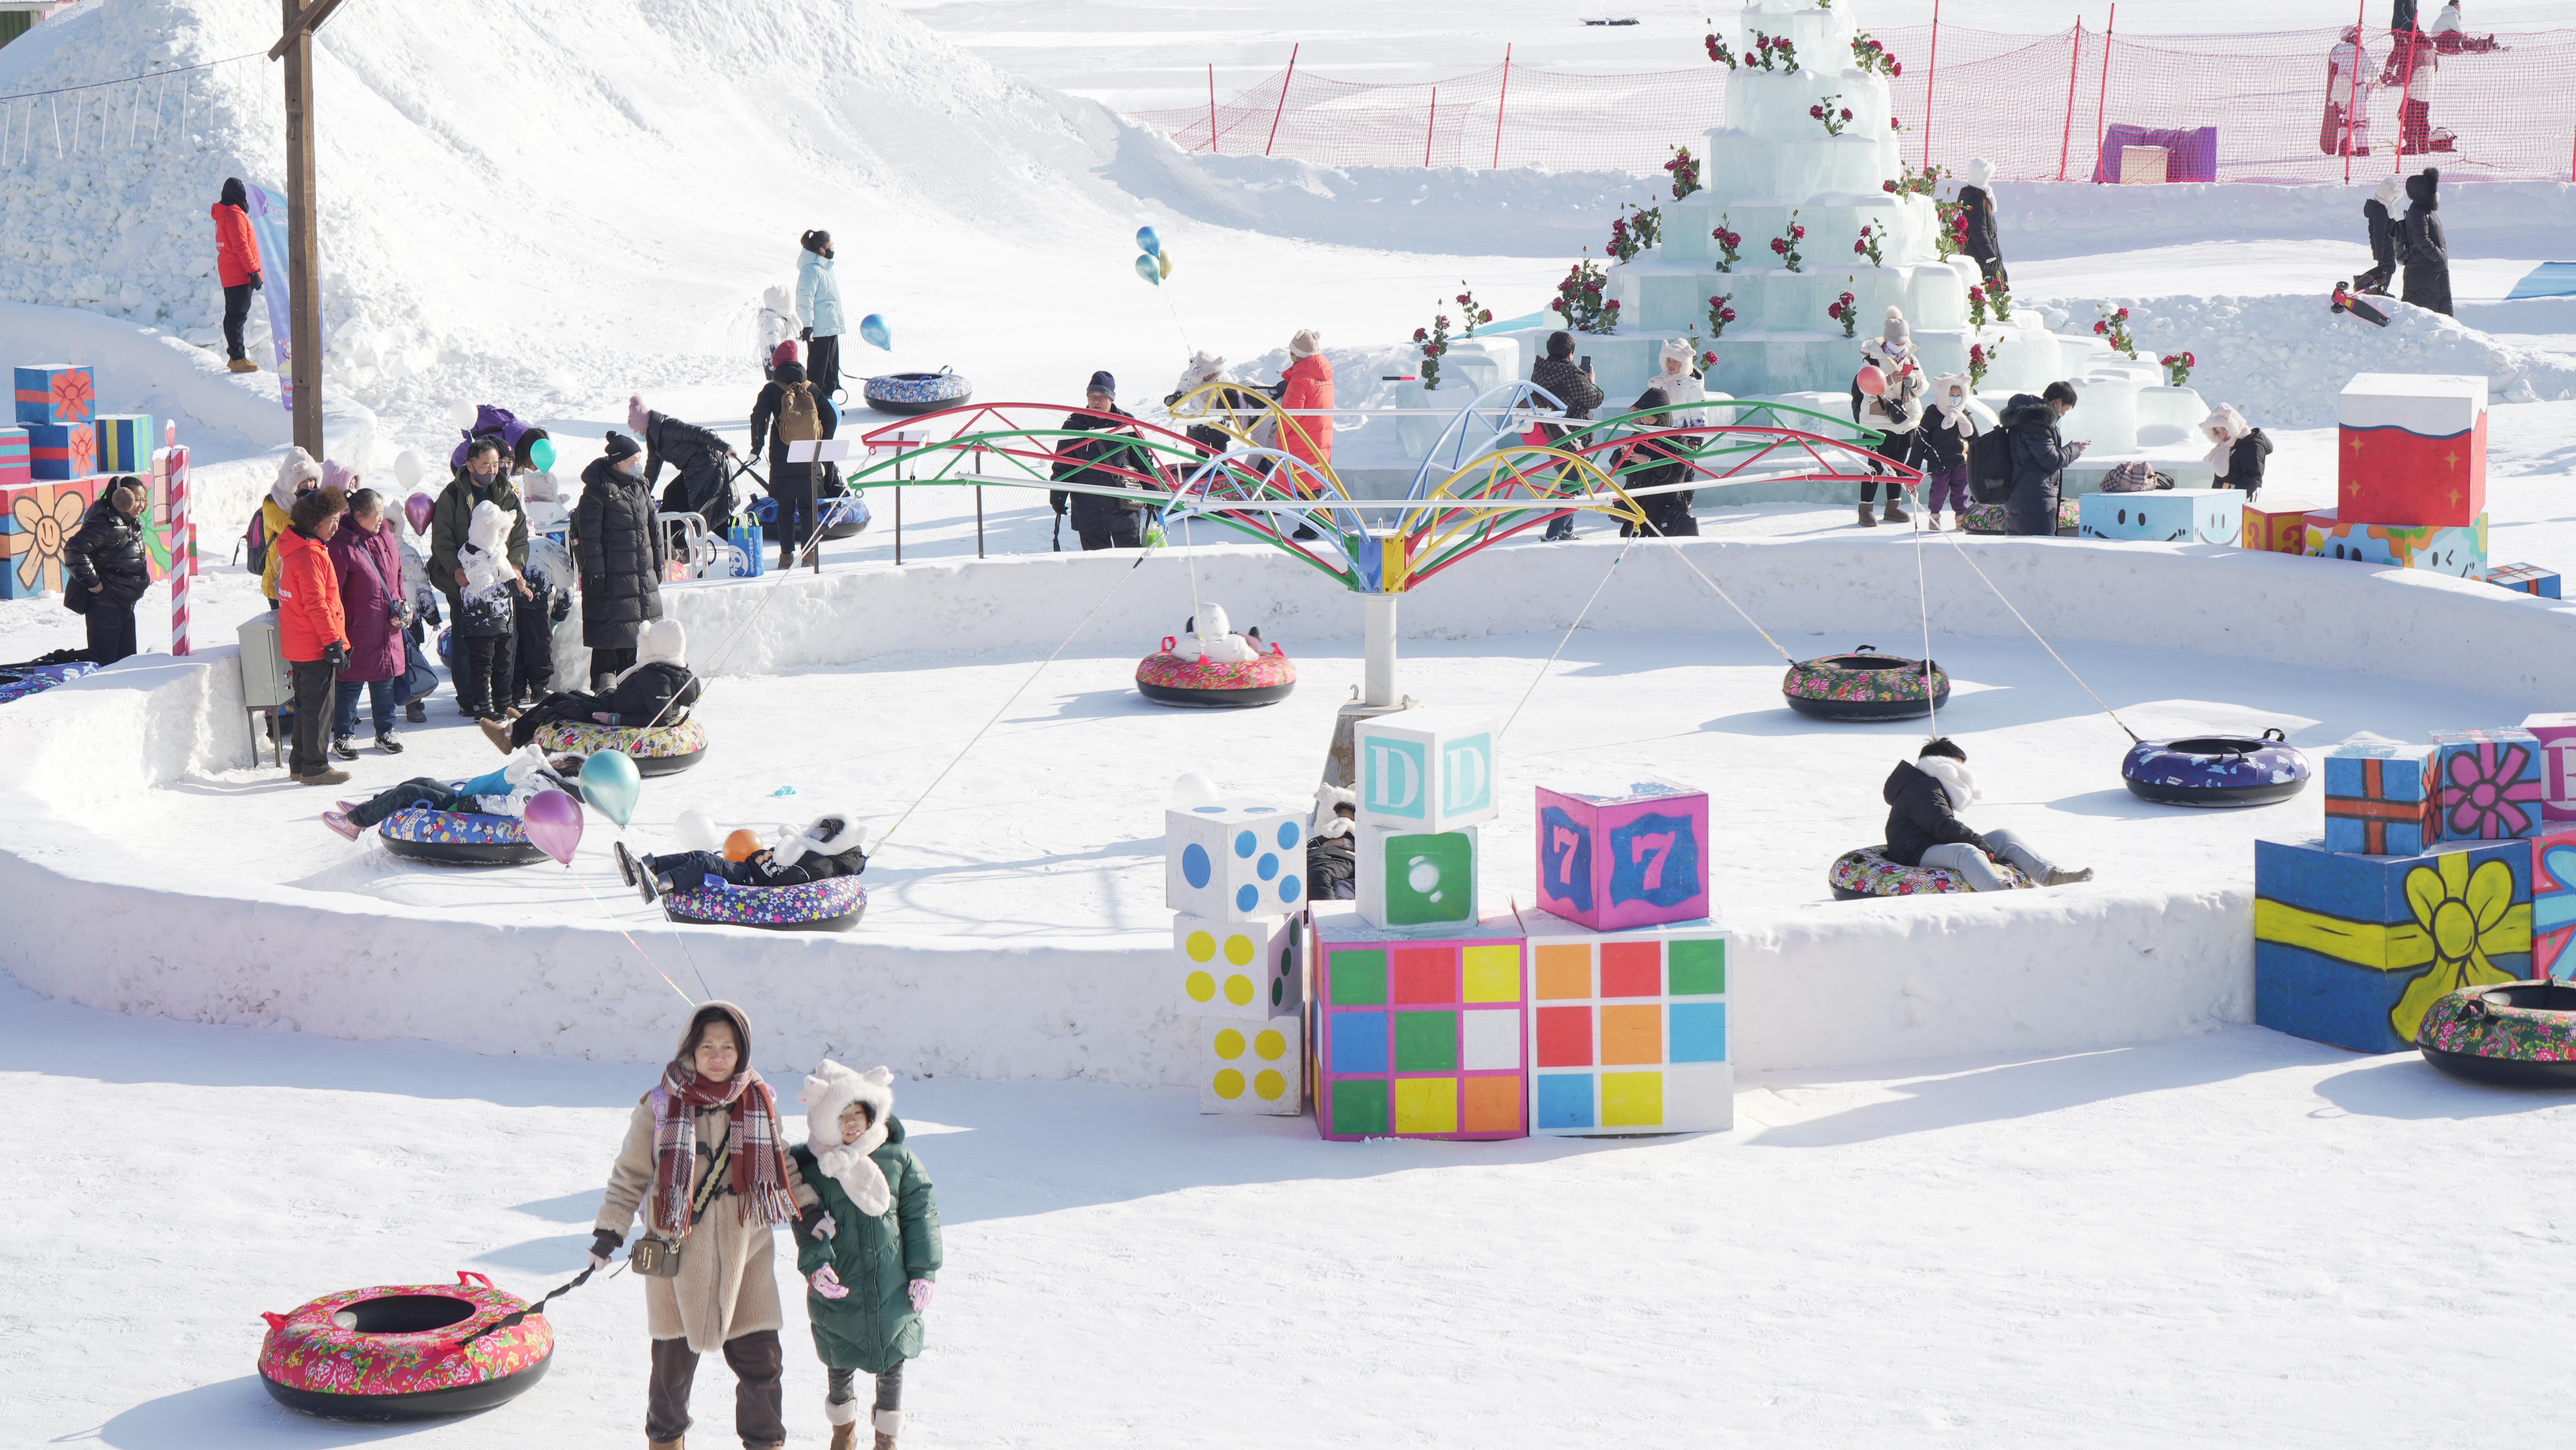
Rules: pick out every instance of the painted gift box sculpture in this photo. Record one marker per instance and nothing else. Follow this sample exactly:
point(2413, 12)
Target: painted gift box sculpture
point(36, 521)
point(2488, 783)
point(15, 458)
point(2381, 800)
point(2557, 736)
point(56, 393)
point(2352, 950)
point(2411, 449)
point(2525, 579)
point(2553, 905)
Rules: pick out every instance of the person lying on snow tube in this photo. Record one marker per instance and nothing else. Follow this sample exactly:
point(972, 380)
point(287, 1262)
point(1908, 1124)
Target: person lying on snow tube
point(1332, 856)
point(823, 850)
point(503, 792)
point(657, 689)
point(1924, 797)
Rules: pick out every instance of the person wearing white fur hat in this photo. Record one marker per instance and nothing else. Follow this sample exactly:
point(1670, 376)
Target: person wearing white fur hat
point(829, 847)
point(1894, 411)
point(657, 689)
point(1941, 449)
point(1924, 797)
point(867, 1241)
point(1332, 853)
point(1680, 382)
point(1977, 208)
point(2238, 450)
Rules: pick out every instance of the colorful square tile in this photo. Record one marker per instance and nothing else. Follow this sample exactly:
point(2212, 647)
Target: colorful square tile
point(1426, 1106)
point(1490, 1041)
point(1426, 1041)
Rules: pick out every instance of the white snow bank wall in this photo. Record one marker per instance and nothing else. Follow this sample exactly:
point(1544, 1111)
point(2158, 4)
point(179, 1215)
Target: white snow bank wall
point(2042, 219)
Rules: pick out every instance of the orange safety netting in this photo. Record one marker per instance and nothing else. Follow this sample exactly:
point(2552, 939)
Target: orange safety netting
point(2263, 107)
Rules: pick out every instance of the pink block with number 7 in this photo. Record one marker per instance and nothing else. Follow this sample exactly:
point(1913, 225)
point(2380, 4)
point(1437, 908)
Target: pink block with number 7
point(1624, 856)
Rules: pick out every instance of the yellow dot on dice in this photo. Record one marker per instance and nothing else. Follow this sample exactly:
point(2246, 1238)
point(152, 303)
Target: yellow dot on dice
point(1240, 950)
point(1200, 986)
point(1238, 990)
point(1229, 1084)
point(1200, 946)
point(1229, 1044)
point(1269, 1084)
point(1270, 1044)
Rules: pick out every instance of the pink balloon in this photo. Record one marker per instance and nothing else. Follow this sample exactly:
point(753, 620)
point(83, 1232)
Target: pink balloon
point(1872, 381)
point(554, 823)
point(416, 508)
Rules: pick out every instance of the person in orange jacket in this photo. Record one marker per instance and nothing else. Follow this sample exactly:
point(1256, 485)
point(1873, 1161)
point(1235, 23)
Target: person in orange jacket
point(236, 266)
point(312, 632)
point(1307, 383)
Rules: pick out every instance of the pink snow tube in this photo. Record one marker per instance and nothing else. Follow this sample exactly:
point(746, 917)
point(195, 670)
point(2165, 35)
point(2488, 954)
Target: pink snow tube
point(1193, 680)
point(392, 1352)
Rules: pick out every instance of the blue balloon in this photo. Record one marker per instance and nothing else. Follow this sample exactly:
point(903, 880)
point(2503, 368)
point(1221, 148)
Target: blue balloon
point(609, 783)
point(1149, 269)
point(1146, 239)
point(873, 328)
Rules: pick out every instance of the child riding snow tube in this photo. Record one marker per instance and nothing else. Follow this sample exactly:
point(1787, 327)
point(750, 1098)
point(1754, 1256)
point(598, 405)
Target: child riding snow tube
point(1209, 666)
point(661, 750)
point(2215, 770)
point(2521, 1034)
point(1864, 685)
point(395, 1353)
point(830, 905)
point(457, 838)
point(1867, 872)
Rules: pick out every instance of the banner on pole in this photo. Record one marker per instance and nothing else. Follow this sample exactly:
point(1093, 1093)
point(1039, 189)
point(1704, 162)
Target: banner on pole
point(268, 223)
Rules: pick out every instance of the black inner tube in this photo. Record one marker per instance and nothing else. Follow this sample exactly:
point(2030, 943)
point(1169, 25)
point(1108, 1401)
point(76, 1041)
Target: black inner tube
point(1869, 662)
point(2216, 745)
point(2552, 998)
point(408, 1313)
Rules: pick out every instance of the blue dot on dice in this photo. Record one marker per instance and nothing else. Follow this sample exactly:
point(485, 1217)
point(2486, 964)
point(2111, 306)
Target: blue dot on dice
point(1245, 844)
point(1196, 868)
point(1289, 886)
point(1288, 834)
point(1247, 898)
point(1266, 867)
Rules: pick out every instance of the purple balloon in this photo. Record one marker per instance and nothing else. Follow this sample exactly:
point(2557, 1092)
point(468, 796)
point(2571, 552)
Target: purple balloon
point(416, 508)
point(554, 823)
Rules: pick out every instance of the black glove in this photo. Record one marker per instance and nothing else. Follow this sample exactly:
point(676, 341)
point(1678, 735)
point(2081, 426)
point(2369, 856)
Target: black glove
point(254, 281)
point(562, 610)
point(336, 655)
point(806, 336)
point(805, 1221)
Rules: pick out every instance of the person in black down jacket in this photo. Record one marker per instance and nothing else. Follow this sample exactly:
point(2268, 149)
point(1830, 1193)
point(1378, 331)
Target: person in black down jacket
point(2039, 458)
point(1573, 386)
point(698, 458)
point(1103, 523)
point(1983, 243)
point(823, 850)
point(614, 545)
point(1655, 463)
point(2421, 247)
point(657, 690)
point(775, 423)
point(104, 570)
point(2380, 214)
point(2237, 450)
point(1924, 799)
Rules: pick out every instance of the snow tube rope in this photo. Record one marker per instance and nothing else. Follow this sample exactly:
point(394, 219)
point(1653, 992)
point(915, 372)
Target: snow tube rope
point(2521, 1034)
point(1864, 685)
point(1195, 681)
point(2215, 770)
point(405, 1351)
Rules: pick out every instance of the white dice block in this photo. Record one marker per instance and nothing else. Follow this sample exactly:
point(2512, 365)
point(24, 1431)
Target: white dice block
point(1253, 1067)
point(1418, 880)
point(1236, 969)
point(1425, 770)
point(1237, 860)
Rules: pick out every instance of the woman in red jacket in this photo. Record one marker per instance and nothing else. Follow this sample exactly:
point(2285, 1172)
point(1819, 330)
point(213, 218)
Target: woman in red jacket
point(237, 266)
point(311, 630)
point(1307, 383)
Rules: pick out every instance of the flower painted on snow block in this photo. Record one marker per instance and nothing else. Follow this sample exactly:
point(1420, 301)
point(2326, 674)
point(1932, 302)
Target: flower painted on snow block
point(2469, 918)
point(2488, 798)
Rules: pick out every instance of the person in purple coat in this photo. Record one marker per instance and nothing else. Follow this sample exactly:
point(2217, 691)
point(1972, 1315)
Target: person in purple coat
point(369, 564)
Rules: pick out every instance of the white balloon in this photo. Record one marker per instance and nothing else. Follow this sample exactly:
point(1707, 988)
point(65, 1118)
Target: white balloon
point(695, 830)
point(461, 414)
point(1191, 790)
point(407, 469)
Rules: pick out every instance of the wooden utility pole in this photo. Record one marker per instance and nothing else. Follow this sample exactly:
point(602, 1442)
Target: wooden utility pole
point(303, 233)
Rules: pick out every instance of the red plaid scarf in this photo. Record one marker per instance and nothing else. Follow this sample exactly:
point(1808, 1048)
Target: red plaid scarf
point(759, 1161)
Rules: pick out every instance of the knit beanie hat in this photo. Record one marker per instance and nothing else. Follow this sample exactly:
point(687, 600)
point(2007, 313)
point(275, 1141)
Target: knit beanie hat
point(636, 417)
point(1102, 382)
point(1896, 333)
point(621, 446)
point(1305, 342)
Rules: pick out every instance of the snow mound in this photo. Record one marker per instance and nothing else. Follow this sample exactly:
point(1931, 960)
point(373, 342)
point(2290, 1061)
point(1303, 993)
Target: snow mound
point(2043, 219)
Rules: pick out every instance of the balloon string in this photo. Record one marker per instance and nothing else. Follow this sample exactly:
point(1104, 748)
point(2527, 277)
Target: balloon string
point(639, 946)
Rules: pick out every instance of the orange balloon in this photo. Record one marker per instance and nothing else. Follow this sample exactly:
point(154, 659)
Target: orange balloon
point(740, 845)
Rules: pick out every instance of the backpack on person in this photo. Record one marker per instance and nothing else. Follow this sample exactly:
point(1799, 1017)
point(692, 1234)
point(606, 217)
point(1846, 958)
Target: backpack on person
point(1990, 466)
point(255, 540)
point(799, 421)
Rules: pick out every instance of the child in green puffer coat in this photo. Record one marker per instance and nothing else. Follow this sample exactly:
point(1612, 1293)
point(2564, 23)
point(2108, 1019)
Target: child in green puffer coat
point(867, 1241)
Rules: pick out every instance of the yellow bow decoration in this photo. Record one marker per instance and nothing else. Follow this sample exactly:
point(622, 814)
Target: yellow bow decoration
point(2471, 918)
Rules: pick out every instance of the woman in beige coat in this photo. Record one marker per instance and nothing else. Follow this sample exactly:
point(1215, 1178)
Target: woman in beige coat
point(704, 1162)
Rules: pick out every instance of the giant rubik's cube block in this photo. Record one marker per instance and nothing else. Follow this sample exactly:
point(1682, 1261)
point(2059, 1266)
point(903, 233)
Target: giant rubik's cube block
point(1238, 860)
point(2381, 800)
point(36, 521)
point(2167, 516)
point(1623, 856)
point(1419, 1038)
point(2411, 449)
point(2556, 734)
point(2351, 950)
point(2487, 783)
point(1628, 1031)
point(2553, 904)
point(57, 393)
point(1425, 781)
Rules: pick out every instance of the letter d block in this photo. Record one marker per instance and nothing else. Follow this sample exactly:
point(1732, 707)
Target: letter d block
point(1423, 770)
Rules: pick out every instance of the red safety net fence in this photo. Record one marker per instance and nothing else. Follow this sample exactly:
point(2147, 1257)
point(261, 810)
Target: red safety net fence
point(2259, 107)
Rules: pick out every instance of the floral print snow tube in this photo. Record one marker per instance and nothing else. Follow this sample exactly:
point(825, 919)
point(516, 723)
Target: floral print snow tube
point(2520, 1033)
point(1868, 872)
point(830, 905)
point(393, 1352)
point(21, 682)
point(1171, 678)
point(1863, 685)
point(662, 750)
point(457, 838)
point(2215, 770)
point(914, 393)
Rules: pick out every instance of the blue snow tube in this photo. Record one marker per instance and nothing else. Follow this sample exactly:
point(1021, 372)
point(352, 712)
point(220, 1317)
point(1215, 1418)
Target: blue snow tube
point(2215, 770)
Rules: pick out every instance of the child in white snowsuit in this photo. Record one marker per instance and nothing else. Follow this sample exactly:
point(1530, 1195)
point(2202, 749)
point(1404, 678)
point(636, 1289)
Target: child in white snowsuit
point(486, 614)
point(867, 1241)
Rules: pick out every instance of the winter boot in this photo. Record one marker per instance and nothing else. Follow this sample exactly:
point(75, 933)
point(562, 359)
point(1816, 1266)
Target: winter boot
point(242, 365)
point(1868, 519)
point(680, 1444)
point(497, 733)
point(416, 712)
point(844, 1416)
point(341, 747)
point(1896, 515)
point(326, 776)
point(340, 822)
point(2060, 876)
point(388, 742)
point(888, 1424)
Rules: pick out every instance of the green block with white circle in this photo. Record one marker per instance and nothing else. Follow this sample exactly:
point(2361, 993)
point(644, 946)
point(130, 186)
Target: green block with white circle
point(1238, 969)
point(1252, 1067)
point(1424, 770)
point(1417, 879)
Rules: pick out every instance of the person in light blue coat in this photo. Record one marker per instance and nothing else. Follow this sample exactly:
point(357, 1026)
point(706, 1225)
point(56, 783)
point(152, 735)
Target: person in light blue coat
point(818, 300)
